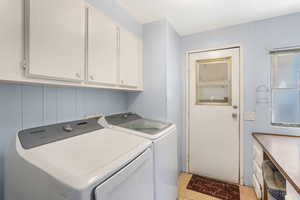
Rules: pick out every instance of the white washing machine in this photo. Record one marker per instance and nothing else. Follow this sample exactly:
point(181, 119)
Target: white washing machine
point(164, 138)
point(79, 160)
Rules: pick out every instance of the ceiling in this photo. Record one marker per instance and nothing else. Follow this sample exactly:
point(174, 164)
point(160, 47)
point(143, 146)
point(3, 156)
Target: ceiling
point(193, 16)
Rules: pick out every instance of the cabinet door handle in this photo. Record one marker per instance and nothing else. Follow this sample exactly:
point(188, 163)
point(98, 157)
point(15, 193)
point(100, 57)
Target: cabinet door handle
point(92, 77)
point(77, 75)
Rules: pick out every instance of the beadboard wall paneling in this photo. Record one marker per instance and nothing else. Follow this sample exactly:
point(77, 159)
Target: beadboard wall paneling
point(27, 106)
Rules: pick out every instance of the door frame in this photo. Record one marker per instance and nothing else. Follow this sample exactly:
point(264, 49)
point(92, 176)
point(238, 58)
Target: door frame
point(241, 99)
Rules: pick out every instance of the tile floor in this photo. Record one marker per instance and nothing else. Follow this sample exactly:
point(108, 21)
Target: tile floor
point(246, 193)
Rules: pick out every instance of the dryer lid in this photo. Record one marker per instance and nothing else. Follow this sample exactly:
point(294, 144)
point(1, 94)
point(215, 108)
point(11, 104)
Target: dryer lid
point(148, 128)
point(88, 159)
point(151, 127)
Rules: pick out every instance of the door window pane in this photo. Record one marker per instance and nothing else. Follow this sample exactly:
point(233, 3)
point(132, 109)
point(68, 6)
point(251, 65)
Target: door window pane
point(213, 83)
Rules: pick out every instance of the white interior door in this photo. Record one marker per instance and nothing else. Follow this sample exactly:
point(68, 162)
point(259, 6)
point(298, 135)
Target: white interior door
point(102, 48)
point(214, 114)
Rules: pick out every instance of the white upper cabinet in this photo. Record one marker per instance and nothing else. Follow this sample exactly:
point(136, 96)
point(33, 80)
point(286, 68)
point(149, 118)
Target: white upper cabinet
point(55, 39)
point(11, 39)
point(67, 42)
point(130, 60)
point(102, 49)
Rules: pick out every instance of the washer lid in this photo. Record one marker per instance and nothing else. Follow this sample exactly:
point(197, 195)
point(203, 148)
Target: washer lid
point(88, 159)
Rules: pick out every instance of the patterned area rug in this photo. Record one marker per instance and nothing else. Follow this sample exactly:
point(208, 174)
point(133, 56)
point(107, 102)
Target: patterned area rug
point(214, 188)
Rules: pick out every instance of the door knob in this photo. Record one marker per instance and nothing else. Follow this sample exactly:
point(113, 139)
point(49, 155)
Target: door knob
point(234, 115)
point(234, 106)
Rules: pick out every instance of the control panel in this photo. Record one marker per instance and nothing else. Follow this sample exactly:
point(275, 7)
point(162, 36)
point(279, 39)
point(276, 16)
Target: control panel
point(35, 137)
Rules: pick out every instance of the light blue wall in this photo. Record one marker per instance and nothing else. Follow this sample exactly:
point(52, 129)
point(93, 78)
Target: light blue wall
point(175, 85)
point(24, 106)
point(152, 102)
point(162, 94)
point(256, 39)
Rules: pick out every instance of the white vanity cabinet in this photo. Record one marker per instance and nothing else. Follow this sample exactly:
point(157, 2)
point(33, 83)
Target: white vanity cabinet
point(55, 39)
point(282, 152)
point(291, 193)
point(102, 62)
point(130, 59)
point(257, 176)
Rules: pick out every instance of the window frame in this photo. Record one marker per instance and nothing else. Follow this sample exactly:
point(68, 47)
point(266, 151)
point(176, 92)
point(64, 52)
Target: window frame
point(272, 89)
point(228, 61)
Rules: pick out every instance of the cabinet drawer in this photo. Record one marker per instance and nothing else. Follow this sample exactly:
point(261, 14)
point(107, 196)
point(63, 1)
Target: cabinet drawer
point(291, 192)
point(287, 198)
point(258, 172)
point(257, 153)
point(257, 187)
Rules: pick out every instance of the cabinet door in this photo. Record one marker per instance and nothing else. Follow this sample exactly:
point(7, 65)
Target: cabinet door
point(129, 59)
point(55, 39)
point(102, 48)
point(11, 39)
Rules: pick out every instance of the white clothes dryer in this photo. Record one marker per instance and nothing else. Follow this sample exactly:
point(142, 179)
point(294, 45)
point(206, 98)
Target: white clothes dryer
point(164, 138)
